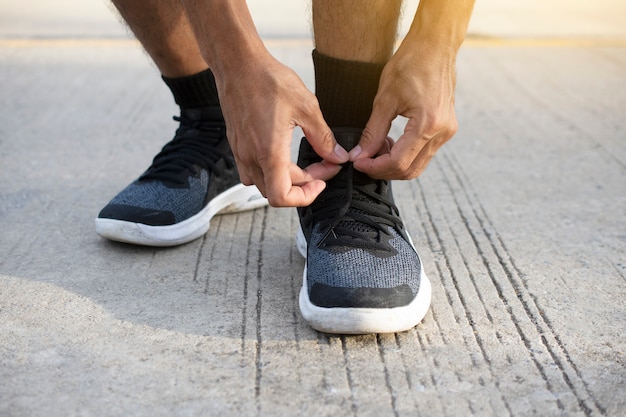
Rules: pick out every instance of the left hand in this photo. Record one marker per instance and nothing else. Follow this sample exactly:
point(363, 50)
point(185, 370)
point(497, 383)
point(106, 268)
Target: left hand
point(417, 83)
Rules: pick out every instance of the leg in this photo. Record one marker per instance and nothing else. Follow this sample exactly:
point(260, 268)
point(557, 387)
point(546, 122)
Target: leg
point(174, 200)
point(356, 30)
point(354, 39)
point(163, 29)
point(362, 274)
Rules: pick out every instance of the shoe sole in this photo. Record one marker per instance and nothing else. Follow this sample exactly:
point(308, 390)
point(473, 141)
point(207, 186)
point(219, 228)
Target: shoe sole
point(235, 199)
point(342, 320)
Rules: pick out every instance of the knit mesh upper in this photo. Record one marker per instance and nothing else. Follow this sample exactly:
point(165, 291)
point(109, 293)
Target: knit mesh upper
point(358, 252)
point(347, 267)
point(190, 170)
point(155, 195)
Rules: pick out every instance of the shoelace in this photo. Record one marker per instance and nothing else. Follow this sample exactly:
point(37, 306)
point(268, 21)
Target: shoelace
point(354, 214)
point(195, 143)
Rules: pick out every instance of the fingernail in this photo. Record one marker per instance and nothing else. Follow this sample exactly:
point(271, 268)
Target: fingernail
point(341, 153)
point(355, 152)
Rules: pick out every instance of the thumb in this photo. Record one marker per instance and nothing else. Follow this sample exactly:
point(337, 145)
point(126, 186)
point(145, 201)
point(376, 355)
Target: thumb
point(374, 135)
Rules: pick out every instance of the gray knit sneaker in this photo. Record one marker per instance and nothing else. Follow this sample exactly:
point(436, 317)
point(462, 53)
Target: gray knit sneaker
point(362, 272)
point(192, 179)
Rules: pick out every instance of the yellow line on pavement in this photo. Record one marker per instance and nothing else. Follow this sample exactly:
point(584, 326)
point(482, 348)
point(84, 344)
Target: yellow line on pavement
point(488, 42)
point(65, 42)
point(470, 42)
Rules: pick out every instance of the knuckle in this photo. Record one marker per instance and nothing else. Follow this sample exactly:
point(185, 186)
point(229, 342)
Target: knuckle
point(414, 174)
point(327, 138)
point(275, 200)
point(453, 128)
point(245, 178)
point(381, 101)
point(275, 197)
point(409, 174)
point(438, 124)
point(403, 166)
point(434, 125)
point(405, 176)
point(367, 136)
point(310, 104)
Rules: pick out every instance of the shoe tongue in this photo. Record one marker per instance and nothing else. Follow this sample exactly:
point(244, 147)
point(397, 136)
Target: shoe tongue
point(347, 137)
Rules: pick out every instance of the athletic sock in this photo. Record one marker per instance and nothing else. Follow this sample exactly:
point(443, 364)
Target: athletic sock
point(193, 91)
point(345, 89)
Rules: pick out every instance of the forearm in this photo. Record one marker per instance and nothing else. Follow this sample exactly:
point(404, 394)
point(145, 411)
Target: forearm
point(442, 23)
point(226, 34)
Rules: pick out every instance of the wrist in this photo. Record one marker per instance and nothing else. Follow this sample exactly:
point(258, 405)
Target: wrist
point(442, 23)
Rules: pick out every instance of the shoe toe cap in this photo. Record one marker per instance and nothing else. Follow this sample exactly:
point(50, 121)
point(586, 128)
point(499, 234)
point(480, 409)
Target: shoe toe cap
point(134, 214)
point(328, 296)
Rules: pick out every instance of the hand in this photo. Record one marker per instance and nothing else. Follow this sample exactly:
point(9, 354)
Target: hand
point(417, 83)
point(262, 104)
point(262, 101)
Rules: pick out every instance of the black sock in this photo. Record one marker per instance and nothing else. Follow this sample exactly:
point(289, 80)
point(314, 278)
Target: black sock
point(193, 91)
point(345, 89)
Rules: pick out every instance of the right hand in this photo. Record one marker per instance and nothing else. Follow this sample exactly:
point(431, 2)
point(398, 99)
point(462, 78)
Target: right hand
point(263, 101)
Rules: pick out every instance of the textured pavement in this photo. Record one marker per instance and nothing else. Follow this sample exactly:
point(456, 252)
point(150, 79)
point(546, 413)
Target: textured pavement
point(520, 221)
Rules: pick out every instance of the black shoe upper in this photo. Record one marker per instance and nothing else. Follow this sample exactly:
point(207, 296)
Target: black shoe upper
point(359, 254)
point(354, 209)
point(200, 142)
point(189, 171)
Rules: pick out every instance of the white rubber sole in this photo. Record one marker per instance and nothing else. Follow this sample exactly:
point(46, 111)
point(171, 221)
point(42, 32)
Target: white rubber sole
point(235, 199)
point(362, 320)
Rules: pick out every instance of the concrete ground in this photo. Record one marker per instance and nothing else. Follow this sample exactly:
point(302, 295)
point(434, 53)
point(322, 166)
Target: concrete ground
point(520, 221)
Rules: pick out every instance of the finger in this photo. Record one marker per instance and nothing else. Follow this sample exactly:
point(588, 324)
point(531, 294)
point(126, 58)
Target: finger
point(320, 137)
point(281, 191)
point(378, 168)
point(246, 176)
point(423, 159)
point(375, 133)
point(253, 176)
point(317, 171)
point(386, 147)
point(399, 163)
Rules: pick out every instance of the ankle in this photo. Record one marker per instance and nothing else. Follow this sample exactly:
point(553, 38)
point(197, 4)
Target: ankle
point(345, 90)
point(194, 91)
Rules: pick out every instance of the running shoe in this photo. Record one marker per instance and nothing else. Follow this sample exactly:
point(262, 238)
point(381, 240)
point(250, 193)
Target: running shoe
point(192, 179)
point(362, 274)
